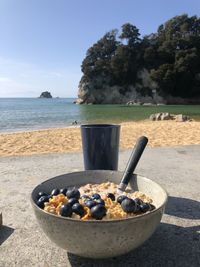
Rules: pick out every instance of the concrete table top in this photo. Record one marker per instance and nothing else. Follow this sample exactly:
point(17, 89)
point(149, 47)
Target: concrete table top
point(176, 242)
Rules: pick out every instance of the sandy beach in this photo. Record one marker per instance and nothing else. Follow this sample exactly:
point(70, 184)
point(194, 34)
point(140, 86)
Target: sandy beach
point(161, 133)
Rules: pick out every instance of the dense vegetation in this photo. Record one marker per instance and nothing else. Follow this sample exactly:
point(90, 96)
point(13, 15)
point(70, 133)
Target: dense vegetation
point(171, 56)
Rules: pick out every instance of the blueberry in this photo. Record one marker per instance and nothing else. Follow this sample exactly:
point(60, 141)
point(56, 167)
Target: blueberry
point(41, 201)
point(96, 196)
point(63, 191)
point(111, 196)
point(78, 209)
point(90, 203)
point(129, 205)
point(98, 212)
point(73, 193)
point(66, 210)
point(121, 198)
point(138, 201)
point(55, 192)
point(144, 207)
point(100, 201)
point(41, 194)
point(72, 201)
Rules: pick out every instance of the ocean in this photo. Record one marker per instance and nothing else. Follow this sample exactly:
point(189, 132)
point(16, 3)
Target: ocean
point(24, 114)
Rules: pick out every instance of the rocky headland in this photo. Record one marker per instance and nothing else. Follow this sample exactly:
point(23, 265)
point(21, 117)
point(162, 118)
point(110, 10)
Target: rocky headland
point(89, 93)
point(160, 68)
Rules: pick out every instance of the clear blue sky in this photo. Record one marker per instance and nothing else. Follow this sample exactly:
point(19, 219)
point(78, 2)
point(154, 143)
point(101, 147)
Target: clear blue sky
point(43, 42)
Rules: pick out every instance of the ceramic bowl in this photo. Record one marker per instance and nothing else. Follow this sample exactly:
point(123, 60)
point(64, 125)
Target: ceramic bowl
point(100, 239)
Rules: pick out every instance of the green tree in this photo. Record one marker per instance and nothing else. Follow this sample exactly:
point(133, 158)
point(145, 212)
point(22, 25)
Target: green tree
point(130, 33)
point(165, 78)
point(177, 50)
point(125, 64)
point(98, 57)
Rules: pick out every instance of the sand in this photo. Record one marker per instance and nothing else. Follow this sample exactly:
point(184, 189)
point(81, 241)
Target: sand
point(160, 133)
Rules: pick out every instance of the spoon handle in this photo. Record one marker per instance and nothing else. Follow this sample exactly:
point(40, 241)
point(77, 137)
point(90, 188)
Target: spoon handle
point(133, 161)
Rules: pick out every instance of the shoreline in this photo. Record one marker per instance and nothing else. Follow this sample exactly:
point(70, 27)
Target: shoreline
point(38, 129)
point(68, 139)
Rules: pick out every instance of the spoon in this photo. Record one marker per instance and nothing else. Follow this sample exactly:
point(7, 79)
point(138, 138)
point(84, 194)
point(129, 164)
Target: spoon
point(132, 163)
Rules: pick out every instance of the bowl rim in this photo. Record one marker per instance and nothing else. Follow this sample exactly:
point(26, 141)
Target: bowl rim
point(135, 218)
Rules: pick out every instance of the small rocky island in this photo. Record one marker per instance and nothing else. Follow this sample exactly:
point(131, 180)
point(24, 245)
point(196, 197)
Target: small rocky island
point(45, 94)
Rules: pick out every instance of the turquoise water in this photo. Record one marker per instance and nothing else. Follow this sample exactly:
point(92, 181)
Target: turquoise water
point(19, 114)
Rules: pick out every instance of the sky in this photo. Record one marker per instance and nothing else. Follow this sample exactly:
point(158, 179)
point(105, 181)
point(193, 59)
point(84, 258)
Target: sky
point(43, 42)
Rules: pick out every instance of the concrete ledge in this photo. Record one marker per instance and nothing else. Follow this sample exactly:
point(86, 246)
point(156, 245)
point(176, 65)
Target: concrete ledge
point(174, 243)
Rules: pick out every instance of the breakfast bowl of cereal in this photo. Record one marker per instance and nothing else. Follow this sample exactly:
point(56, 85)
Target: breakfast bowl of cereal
point(85, 214)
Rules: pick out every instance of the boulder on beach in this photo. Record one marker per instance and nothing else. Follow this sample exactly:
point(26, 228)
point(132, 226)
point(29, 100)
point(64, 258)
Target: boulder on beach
point(161, 116)
point(167, 116)
point(181, 118)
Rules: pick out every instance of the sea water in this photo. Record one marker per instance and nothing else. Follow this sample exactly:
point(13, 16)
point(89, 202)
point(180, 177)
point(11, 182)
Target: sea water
point(24, 114)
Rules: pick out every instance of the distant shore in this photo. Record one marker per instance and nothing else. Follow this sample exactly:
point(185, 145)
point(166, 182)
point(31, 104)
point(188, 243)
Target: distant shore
point(60, 140)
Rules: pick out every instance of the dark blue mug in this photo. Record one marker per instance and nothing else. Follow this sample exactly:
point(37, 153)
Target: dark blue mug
point(100, 143)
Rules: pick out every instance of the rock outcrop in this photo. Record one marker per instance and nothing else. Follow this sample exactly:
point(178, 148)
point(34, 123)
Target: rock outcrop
point(45, 94)
point(98, 91)
point(167, 116)
point(134, 103)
